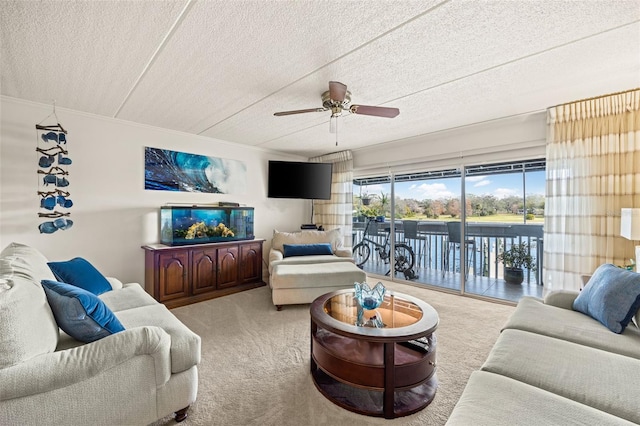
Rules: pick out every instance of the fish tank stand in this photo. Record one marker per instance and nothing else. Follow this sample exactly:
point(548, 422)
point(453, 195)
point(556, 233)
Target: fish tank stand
point(177, 276)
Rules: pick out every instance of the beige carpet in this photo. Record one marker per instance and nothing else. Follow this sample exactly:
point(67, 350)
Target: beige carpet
point(255, 360)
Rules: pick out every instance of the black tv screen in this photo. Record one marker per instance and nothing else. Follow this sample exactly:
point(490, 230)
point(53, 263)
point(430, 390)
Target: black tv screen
point(291, 179)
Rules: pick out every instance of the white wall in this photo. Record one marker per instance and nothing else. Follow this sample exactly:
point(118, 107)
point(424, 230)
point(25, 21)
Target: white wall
point(113, 214)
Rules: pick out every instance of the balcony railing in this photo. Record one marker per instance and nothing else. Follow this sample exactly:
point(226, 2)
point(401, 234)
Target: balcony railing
point(430, 240)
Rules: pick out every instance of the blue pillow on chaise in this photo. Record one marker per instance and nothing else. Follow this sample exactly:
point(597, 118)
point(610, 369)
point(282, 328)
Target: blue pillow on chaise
point(306, 249)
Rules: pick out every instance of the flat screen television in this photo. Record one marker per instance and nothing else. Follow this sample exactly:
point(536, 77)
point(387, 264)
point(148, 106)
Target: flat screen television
point(292, 179)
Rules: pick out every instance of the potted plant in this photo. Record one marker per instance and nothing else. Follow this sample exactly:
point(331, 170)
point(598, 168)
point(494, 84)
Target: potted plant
point(371, 211)
point(516, 257)
point(365, 199)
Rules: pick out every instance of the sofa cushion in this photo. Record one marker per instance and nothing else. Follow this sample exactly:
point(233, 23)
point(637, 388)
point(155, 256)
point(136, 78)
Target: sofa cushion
point(291, 250)
point(494, 400)
point(333, 237)
point(27, 262)
point(311, 259)
point(593, 377)
point(80, 273)
point(533, 315)
point(300, 276)
point(185, 344)
point(130, 296)
point(79, 313)
point(27, 325)
point(612, 296)
point(276, 258)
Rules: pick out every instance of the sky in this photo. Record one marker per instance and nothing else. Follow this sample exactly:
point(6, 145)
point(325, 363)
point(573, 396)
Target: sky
point(499, 185)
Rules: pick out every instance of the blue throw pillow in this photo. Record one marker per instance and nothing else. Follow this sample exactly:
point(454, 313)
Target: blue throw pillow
point(80, 273)
point(612, 296)
point(306, 249)
point(79, 313)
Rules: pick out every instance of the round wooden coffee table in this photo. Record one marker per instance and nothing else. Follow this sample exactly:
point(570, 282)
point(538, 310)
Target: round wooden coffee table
point(386, 372)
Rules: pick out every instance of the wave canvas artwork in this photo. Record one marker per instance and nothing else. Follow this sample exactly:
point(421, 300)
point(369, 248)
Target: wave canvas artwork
point(166, 170)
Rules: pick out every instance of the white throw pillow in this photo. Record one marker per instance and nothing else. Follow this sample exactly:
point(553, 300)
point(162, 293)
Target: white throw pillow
point(334, 237)
point(27, 261)
point(27, 325)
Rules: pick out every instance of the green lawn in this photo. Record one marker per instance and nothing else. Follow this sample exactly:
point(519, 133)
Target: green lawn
point(500, 218)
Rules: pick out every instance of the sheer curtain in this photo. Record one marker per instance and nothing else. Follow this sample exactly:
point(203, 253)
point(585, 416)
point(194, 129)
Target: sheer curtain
point(593, 170)
point(338, 211)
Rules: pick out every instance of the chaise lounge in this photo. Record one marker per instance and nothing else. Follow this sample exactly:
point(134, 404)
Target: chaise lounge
point(305, 265)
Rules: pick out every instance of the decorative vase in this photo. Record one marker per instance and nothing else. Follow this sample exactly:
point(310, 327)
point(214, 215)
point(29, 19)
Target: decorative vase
point(369, 299)
point(513, 275)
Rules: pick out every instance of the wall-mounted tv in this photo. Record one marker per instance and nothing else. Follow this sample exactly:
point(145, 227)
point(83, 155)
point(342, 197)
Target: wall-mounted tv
point(292, 179)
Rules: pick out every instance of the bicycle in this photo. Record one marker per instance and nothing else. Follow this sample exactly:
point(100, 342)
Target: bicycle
point(404, 257)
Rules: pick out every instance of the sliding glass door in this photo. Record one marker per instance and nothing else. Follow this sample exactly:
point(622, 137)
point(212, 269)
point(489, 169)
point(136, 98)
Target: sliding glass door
point(505, 215)
point(452, 232)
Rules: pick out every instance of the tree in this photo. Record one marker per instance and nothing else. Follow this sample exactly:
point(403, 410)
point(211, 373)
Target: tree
point(408, 207)
point(438, 208)
point(427, 208)
point(452, 207)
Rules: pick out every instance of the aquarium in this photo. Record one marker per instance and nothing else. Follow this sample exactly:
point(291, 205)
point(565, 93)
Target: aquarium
point(204, 224)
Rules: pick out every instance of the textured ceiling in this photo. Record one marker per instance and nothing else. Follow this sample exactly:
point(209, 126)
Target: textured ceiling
point(222, 68)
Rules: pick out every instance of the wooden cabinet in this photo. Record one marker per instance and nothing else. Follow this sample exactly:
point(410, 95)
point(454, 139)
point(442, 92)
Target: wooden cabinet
point(251, 262)
point(178, 276)
point(228, 264)
point(173, 273)
point(204, 267)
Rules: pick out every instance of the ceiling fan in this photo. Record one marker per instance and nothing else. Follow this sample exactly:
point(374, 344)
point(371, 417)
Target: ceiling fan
point(337, 99)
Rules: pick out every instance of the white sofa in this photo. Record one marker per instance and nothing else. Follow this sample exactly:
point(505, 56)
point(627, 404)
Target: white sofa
point(553, 365)
point(132, 377)
point(302, 278)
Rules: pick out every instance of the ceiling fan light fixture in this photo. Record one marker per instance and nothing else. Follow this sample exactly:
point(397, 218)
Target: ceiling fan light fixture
point(330, 103)
point(333, 124)
point(337, 99)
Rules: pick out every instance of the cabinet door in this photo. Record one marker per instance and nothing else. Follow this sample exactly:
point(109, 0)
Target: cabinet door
point(203, 270)
point(227, 266)
point(251, 262)
point(173, 279)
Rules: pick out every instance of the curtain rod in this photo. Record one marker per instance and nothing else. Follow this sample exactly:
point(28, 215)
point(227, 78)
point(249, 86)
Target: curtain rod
point(597, 97)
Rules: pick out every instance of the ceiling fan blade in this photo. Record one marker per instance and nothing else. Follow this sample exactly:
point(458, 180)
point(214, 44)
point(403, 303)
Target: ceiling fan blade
point(337, 91)
point(374, 110)
point(298, 111)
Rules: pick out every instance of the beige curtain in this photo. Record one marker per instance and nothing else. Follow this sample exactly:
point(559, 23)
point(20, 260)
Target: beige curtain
point(337, 212)
point(593, 170)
